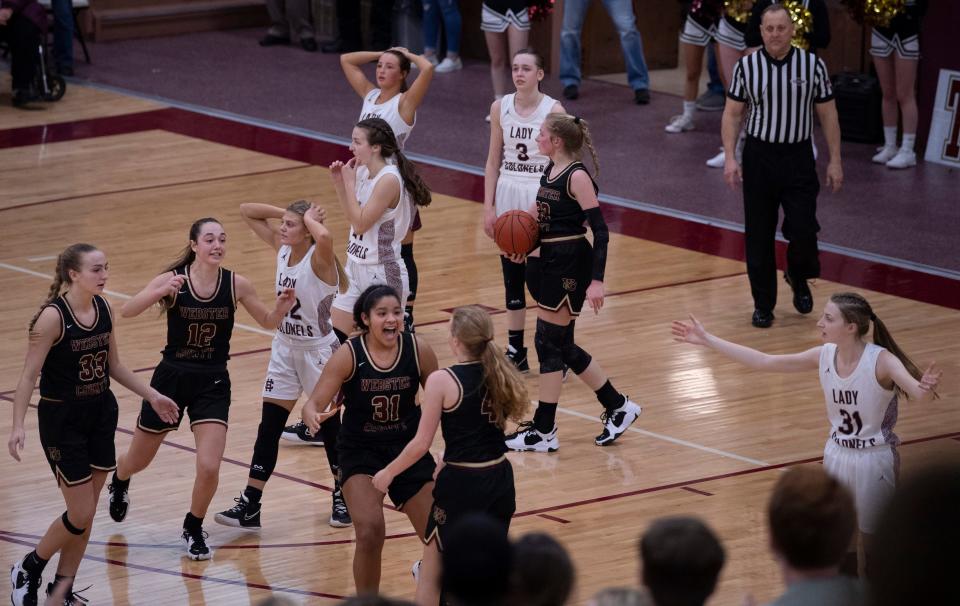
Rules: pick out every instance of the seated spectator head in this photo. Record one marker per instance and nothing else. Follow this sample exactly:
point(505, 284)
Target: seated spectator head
point(681, 561)
point(812, 519)
point(543, 573)
point(620, 596)
point(476, 561)
point(915, 546)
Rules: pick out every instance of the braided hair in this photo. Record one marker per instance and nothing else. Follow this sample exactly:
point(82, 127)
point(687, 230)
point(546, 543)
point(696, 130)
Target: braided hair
point(70, 259)
point(379, 133)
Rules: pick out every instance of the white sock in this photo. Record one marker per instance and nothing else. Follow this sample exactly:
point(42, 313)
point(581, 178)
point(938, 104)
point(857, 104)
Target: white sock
point(908, 140)
point(688, 108)
point(890, 136)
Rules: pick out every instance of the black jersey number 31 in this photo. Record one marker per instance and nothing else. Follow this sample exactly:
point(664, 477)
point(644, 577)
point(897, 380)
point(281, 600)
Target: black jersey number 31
point(386, 410)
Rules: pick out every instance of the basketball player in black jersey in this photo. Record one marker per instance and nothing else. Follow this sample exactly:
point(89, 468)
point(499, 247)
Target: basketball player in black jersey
point(200, 299)
point(471, 401)
point(571, 271)
point(379, 373)
point(74, 351)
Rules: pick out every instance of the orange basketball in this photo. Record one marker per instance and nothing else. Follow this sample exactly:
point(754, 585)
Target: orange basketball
point(516, 232)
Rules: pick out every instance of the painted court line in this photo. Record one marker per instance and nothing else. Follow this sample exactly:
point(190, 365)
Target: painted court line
point(665, 438)
point(43, 258)
point(121, 295)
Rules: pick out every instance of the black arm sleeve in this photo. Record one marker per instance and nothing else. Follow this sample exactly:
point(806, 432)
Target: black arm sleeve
point(600, 238)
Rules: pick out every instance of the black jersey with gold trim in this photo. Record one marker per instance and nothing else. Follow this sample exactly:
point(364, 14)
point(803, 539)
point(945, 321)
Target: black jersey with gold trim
point(198, 328)
point(381, 403)
point(77, 366)
point(470, 432)
point(558, 212)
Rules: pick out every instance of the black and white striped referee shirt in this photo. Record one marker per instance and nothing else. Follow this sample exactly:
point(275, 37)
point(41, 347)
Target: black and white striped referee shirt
point(780, 94)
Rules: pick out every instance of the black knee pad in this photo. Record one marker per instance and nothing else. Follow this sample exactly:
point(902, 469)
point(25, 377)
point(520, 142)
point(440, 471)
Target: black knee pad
point(532, 277)
point(406, 253)
point(267, 446)
point(70, 527)
point(574, 357)
point(513, 279)
point(549, 343)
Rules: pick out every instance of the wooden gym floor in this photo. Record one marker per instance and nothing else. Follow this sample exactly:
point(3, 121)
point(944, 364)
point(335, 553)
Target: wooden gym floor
point(130, 176)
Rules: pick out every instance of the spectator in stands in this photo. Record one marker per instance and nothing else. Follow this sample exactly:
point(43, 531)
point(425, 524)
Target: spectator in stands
point(63, 35)
point(477, 560)
point(812, 520)
point(348, 22)
point(681, 559)
point(289, 17)
point(915, 559)
point(543, 573)
point(621, 11)
point(23, 24)
point(435, 11)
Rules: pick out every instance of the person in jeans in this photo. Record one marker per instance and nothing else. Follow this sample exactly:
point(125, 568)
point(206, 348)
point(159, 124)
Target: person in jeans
point(433, 12)
point(621, 11)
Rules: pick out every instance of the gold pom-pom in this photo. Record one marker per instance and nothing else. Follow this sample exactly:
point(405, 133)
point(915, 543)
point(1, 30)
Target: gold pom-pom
point(879, 13)
point(802, 22)
point(738, 10)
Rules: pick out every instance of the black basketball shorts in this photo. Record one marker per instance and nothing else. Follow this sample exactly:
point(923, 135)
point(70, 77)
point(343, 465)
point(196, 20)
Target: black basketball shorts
point(203, 394)
point(358, 458)
point(462, 490)
point(77, 436)
point(566, 270)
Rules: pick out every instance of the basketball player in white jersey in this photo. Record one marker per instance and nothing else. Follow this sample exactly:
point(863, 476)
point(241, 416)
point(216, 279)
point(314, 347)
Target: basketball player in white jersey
point(512, 178)
point(862, 383)
point(304, 341)
point(378, 190)
point(391, 100)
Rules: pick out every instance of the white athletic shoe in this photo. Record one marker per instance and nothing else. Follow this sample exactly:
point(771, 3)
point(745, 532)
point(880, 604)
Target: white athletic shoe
point(23, 585)
point(718, 161)
point(903, 159)
point(885, 154)
point(679, 124)
point(195, 545)
point(448, 65)
point(527, 438)
point(415, 570)
point(617, 421)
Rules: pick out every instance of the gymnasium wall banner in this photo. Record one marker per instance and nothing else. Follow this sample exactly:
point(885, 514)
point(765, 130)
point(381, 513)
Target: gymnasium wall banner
point(943, 144)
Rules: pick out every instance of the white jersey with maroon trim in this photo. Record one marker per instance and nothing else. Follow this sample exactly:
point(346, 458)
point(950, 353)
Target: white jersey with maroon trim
point(308, 323)
point(381, 242)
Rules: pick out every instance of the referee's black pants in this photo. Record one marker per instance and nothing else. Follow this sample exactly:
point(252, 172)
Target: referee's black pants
point(774, 175)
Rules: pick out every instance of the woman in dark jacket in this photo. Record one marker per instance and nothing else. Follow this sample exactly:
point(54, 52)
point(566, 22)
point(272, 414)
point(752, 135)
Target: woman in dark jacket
point(23, 23)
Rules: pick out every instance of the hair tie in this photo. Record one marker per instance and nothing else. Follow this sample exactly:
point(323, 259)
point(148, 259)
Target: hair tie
point(576, 119)
point(873, 317)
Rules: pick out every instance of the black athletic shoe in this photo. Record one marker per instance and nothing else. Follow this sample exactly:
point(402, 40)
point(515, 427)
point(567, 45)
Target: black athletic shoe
point(641, 96)
point(23, 586)
point(244, 514)
point(119, 499)
point(617, 421)
point(300, 434)
point(519, 358)
point(762, 319)
point(339, 516)
point(802, 297)
point(71, 598)
point(571, 92)
point(195, 544)
point(308, 44)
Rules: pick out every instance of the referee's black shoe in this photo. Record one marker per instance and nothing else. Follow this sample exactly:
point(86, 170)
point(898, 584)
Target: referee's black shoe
point(802, 297)
point(762, 319)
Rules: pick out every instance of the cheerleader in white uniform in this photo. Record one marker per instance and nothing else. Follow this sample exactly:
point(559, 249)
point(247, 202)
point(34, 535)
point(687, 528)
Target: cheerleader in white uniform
point(391, 100)
point(378, 191)
point(303, 343)
point(862, 383)
point(512, 178)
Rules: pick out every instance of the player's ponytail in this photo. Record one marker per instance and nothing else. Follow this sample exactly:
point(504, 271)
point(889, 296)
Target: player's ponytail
point(343, 282)
point(186, 256)
point(573, 131)
point(71, 258)
point(856, 310)
point(506, 390)
point(380, 133)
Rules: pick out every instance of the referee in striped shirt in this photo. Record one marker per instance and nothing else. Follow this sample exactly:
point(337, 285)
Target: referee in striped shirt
point(782, 84)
